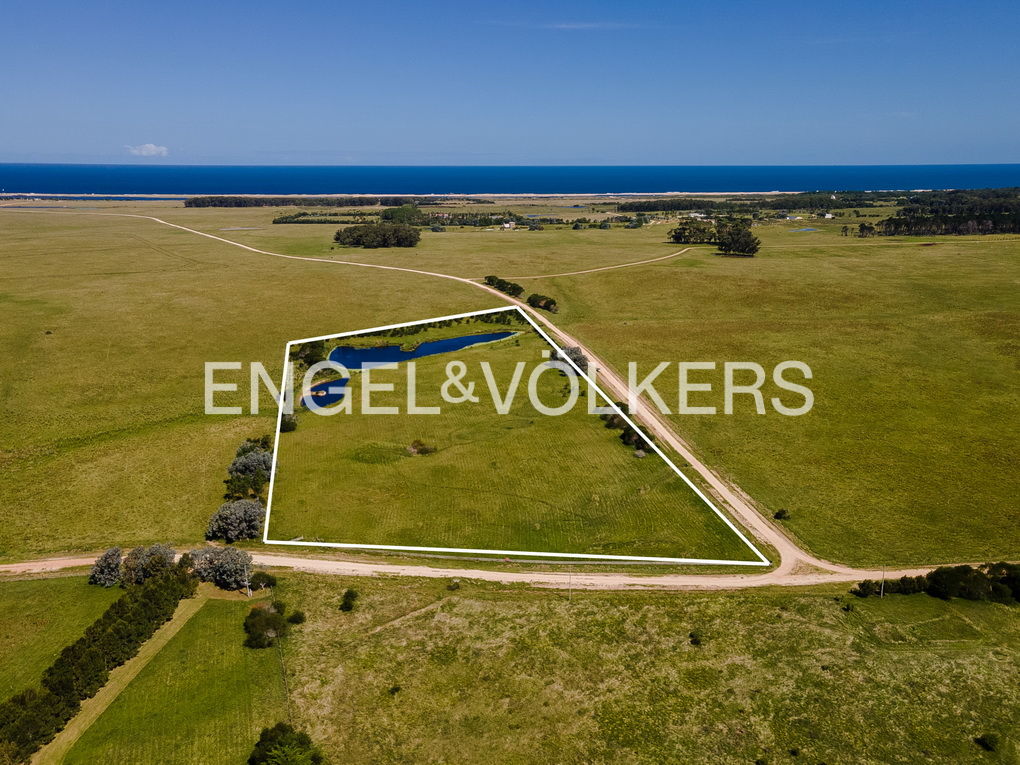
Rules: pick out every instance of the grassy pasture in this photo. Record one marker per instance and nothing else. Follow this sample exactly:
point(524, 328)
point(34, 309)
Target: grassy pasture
point(105, 439)
point(38, 617)
point(421, 674)
point(519, 481)
point(909, 455)
point(202, 699)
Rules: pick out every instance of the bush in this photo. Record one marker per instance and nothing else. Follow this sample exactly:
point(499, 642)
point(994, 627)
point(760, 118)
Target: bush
point(226, 567)
point(239, 519)
point(781, 515)
point(347, 602)
point(298, 617)
point(265, 625)
point(288, 423)
point(988, 741)
point(283, 745)
point(261, 580)
point(106, 570)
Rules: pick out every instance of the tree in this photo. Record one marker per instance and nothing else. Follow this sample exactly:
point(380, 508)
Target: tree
point(737, 239)
point(288, 423)
point(106, 570)
point(691, 231)
point(542, 301)
point(283, 745)
point(575, 354)
point(239, 519)
point(143, 563)
point(372, 235)
point(260, 580)
point(226, 567)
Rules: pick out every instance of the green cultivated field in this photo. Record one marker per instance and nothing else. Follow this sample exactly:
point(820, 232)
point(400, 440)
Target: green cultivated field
point(519, 481)
point(421, 674)
point(202, 699)
point(38, 617)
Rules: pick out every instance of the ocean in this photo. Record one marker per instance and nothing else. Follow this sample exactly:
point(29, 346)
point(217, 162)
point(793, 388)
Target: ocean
point(359, 179)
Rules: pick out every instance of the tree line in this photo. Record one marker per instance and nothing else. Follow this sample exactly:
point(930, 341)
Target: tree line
point(993, 581)
point(961, 212)
point(341, 218)
point(808, 200)
point(510, 288)
point(33, 717)
point(244, 201)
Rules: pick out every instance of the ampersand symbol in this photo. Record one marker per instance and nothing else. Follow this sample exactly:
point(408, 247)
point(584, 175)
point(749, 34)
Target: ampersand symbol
point(455, 372)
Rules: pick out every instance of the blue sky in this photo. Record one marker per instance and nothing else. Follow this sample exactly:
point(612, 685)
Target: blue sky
point(699, 82)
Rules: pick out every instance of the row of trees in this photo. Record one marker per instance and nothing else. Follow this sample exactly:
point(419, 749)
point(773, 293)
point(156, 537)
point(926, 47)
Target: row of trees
point(544, 302)
point(31, 718)
point(637, 439)
point(373, 235)
point(226, 567)
point(242, 201)
point(733, 237)
point(993, 581)
point(510, 288)
point(810, 200)
point(323, 217)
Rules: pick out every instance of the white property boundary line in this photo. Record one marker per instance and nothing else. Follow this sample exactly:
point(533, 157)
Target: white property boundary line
point(762, 560)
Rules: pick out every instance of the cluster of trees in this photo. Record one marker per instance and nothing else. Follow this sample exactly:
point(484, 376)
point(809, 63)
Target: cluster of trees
point(140, 564)
point(993, 581)
point(31, 718)
point(505, 318)
point(819, 201)
point(692, 231)
point(966, 211)
point(267, 623)
point(412, 215)
point(628, 435)
point(510, 288)
point(283, 745)
point(542, 301)
point(320, 217)
point(239, 201)
point(309, 353)
point(733, 236)
point(373, 235)
point(250, 469)
point(236, 519)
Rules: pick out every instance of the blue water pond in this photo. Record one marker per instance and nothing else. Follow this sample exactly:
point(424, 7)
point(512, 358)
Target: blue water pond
point(365, 358)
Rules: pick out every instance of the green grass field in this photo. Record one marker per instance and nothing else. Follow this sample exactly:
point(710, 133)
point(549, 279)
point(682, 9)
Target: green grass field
point(38, 617)
point(202, 699)
point(906, 458)
point(418, 673)
point(517, 481)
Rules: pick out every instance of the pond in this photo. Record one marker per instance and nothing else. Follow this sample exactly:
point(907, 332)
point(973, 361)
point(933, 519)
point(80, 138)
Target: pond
point(353, 358)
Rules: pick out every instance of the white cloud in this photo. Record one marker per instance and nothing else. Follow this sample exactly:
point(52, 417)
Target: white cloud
point(148, 150)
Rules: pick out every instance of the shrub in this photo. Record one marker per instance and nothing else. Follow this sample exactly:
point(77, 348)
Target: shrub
point(695, 638)
point(106, 570)
point(264, 626)
point(239, 519)
point(226, 567)
point(260, 580)
point(288, 423)
point(297, 617)
point(781, 515)
point(251, 462)
point(283, 745)
point(263, 443)
point(347, 602)
point(542, 301)
point(988, 741)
